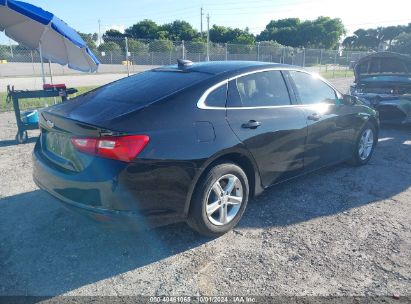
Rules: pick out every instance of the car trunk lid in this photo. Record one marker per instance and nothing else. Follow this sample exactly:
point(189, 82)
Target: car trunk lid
point(55, 139)
point(383, 63)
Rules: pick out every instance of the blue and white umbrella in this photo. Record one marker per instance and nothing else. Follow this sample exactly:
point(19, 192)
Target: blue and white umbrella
point(53, 38)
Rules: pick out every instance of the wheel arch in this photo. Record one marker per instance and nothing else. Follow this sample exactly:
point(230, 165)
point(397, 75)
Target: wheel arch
point(239, 157)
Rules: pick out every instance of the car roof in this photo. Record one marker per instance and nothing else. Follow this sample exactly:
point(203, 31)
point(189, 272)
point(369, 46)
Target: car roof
point(221, 67)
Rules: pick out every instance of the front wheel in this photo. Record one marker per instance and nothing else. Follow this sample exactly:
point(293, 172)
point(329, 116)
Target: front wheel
point(219, 200)
point(365, 145)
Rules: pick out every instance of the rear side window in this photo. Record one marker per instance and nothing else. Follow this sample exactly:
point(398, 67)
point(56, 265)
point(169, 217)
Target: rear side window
point(217, 98)
point(312, 90)
point(145, 88)
point(263, 89)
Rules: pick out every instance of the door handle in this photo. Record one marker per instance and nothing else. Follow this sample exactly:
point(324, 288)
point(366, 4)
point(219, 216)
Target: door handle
point(314, 117)
point(252, 124)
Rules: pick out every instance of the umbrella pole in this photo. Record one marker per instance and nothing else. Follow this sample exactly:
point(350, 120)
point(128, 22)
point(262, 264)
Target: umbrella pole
point(51, 72)
point(42, 64)
point(51, 79)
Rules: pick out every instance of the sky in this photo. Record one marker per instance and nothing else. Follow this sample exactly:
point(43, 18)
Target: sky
point(120, 14)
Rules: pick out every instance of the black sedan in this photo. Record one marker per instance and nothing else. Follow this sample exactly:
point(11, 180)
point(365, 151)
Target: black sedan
point(194, 142)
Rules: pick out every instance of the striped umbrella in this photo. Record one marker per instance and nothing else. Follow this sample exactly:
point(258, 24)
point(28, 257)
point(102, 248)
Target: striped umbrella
point(38, 29)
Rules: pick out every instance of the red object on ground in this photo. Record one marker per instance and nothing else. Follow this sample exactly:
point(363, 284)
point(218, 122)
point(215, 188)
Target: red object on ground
point(54, 86)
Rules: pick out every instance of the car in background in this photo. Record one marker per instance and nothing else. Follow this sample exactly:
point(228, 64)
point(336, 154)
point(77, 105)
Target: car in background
point(383, 81)
point(194, 142)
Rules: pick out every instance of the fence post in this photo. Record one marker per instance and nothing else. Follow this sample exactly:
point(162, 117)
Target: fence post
point(183, 49)
point(208, 47)
point(226, 51)
point(258, 51)
point(335, 63)
point(128, 67)
point(303, 57)
point(11, 49)
point(32, 62)
point(321, 58)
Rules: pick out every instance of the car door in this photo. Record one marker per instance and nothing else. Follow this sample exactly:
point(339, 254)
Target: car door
point(329, 121)
point(261, 114)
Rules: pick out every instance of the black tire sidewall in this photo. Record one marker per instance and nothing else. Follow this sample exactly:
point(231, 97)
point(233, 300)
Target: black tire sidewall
point(198, 218)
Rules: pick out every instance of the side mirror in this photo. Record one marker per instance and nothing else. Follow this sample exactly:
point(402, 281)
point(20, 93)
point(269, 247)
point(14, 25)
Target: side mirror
point(350, 100)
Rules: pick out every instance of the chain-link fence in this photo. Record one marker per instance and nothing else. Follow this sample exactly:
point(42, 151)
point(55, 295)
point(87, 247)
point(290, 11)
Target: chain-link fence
point(126, 55)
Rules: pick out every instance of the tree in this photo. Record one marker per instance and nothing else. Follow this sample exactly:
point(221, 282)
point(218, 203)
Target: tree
point(89, 39)
point(4, 52)
point(136, 46)
point(403, 43)
point(327, 32)
point(350, 42)
point(283, 31)
point(113, 35)
point(391, 32)
point(222, 34)
point(242, 44)
point(146, 29)
point(219, 34)
point(273, 48)
point(324, 32)
point(367, 39)
point(179, 30)
point(196, 46)
point(109, 46)
point(159, 46)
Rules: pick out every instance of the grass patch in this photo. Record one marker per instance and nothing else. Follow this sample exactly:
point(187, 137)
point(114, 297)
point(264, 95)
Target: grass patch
point(33, 103)
point(336, 74)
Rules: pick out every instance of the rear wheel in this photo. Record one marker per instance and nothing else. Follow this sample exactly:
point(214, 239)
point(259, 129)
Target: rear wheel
point(219, 200)
point(365, 144)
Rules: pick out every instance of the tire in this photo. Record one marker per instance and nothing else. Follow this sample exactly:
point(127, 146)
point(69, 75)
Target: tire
point(228, 209)
point(359, 158)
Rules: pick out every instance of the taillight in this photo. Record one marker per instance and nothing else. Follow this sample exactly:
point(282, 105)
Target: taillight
point(124, 148)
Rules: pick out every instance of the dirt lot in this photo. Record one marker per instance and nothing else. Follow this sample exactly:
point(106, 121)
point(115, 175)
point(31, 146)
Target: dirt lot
point(340, 231)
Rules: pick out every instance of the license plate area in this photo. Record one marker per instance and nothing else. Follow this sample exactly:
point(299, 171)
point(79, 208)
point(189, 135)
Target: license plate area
point(59, 144)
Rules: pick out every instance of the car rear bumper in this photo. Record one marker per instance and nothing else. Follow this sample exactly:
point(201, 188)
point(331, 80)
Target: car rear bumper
point(117, 193)
point(125, 218)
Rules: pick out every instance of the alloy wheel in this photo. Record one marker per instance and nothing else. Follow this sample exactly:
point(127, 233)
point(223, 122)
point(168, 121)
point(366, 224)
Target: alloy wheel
point(366, 144)
point(224, 200)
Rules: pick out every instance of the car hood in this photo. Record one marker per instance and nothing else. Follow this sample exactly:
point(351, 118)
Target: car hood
point(383, 67)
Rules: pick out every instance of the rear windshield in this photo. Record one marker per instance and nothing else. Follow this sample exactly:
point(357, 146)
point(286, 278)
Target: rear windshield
point(145, 88)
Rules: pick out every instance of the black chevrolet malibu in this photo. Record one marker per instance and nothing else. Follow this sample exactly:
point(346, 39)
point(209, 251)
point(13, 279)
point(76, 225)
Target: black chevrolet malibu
point(194, 142)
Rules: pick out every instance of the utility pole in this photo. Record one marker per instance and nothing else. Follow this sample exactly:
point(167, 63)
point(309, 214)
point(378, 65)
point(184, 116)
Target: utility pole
point(99, 31)
point(208, 38)
point(201, 24)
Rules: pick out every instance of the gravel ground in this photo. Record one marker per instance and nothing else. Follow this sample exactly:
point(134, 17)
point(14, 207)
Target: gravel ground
point(340, 231)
